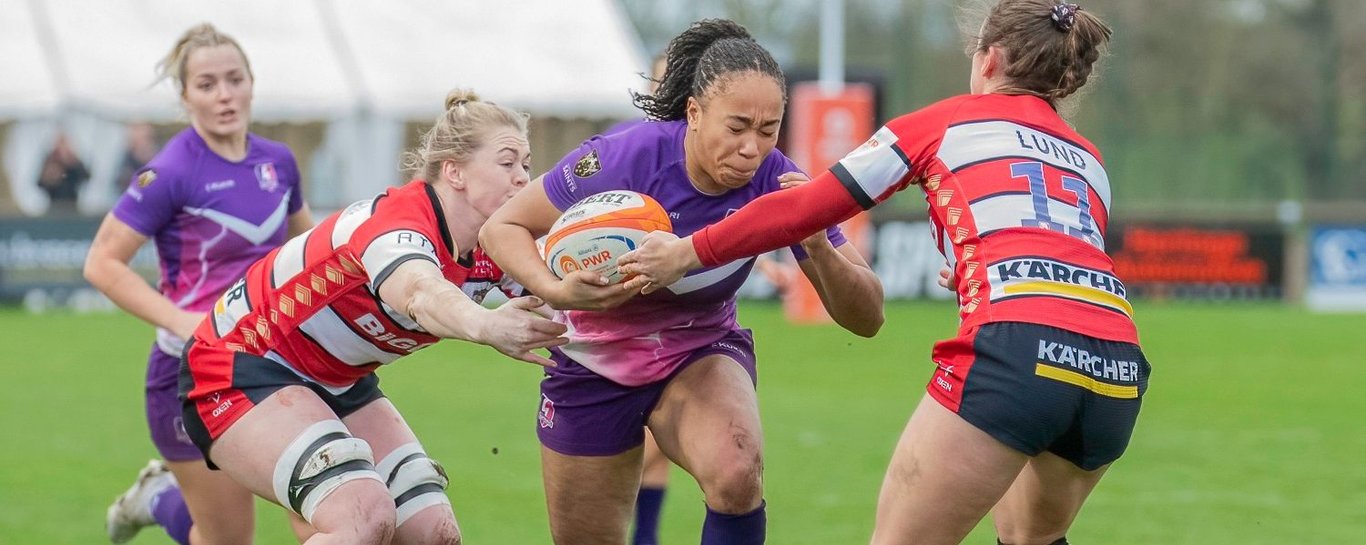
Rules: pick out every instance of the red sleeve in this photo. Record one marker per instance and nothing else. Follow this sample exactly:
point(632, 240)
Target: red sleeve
point(776, 220)
point(898, 155)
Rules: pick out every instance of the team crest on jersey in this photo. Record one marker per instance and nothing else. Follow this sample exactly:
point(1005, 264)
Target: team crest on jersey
point(267, 177)
point(547, 415)
point(147, 177)
point(588, 165)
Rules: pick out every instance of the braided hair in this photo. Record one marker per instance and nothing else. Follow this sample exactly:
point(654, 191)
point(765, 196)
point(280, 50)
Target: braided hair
point(699, 59)
point(1051, 45)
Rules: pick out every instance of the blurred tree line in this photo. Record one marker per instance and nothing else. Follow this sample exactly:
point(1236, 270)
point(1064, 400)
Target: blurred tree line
point(1210, 104)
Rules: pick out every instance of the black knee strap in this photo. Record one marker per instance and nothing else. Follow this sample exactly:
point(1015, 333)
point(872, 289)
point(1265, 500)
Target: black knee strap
point(1061, 541)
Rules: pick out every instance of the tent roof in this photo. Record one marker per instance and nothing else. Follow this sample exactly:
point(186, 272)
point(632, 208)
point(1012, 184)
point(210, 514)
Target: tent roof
point(25, 83)
point(550, 56)
point(327, 58)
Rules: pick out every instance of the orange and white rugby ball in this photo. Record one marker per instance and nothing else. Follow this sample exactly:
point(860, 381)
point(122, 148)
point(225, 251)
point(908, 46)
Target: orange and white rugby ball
point(595, 231)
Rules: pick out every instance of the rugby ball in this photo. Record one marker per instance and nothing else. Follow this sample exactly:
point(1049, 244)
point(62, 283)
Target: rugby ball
point(597, 230)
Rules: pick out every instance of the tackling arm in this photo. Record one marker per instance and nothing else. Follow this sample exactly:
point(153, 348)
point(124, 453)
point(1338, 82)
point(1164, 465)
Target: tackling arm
point(775, 220)
point(417, 288)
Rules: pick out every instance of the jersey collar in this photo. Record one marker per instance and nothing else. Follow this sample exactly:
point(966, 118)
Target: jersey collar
point(440, 219)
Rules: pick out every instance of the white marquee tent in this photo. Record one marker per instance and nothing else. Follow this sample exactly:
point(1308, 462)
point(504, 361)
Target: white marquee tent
point(363, 66)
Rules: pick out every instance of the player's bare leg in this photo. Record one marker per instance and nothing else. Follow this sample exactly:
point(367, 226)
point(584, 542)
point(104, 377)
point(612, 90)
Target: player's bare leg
point(430, 521)
point(945, 475)
point(357, 511)
point(301, 528)
point(1043, 501)
point(655, 469)
point(590, 498)
point(223, 511)
point(654, 481)
point(707, 421)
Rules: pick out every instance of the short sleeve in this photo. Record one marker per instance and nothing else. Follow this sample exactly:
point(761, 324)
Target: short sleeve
point(386, 251)
point(594, 167)
point(152, 199)
point(296, 197)
point(895, 156)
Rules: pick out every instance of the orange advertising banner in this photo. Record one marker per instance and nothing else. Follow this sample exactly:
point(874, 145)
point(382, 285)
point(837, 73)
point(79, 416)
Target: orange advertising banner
point(823, 128)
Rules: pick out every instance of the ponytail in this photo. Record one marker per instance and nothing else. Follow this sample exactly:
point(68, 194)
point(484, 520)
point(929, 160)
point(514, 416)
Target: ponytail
point(1051, 46)
point(696, 59)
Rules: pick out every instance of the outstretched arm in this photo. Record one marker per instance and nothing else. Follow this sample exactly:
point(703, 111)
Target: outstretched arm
point(417, 288)
point(849, 290)
point(775, 220)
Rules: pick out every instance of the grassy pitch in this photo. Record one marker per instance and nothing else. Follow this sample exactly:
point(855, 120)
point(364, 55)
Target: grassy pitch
point(1252, 430)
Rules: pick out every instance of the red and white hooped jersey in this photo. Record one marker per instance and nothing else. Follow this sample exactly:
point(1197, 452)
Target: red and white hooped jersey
point(312, 303)
point(1019, 203)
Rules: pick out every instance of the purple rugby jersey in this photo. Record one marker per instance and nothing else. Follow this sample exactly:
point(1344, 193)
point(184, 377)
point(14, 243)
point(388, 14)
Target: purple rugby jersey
point(210, 218)
point(645, 339)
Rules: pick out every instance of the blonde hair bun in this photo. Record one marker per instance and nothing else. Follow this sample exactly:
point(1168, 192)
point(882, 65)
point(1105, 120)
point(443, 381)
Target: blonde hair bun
point(458, 132)
point(203, 35)
point(460, 97)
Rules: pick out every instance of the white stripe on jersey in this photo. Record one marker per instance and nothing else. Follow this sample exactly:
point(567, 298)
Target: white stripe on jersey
point(232, 306)
point(349, 220)
point(392, 248)
point(1007, 209)
point(254, 233)
point(289, 261)
point(972, 143)
point(341, 341)
point(703, 279)
point(875, 165)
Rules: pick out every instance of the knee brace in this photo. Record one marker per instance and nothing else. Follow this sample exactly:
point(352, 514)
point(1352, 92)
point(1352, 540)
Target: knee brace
point(319, 460)
point(415, 481)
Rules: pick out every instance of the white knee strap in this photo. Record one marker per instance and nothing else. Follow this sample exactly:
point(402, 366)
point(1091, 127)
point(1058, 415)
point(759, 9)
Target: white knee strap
point(319, 460)
point(415, 481)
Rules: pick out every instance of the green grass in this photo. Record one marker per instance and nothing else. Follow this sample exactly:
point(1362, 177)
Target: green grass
point(1251, 432)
